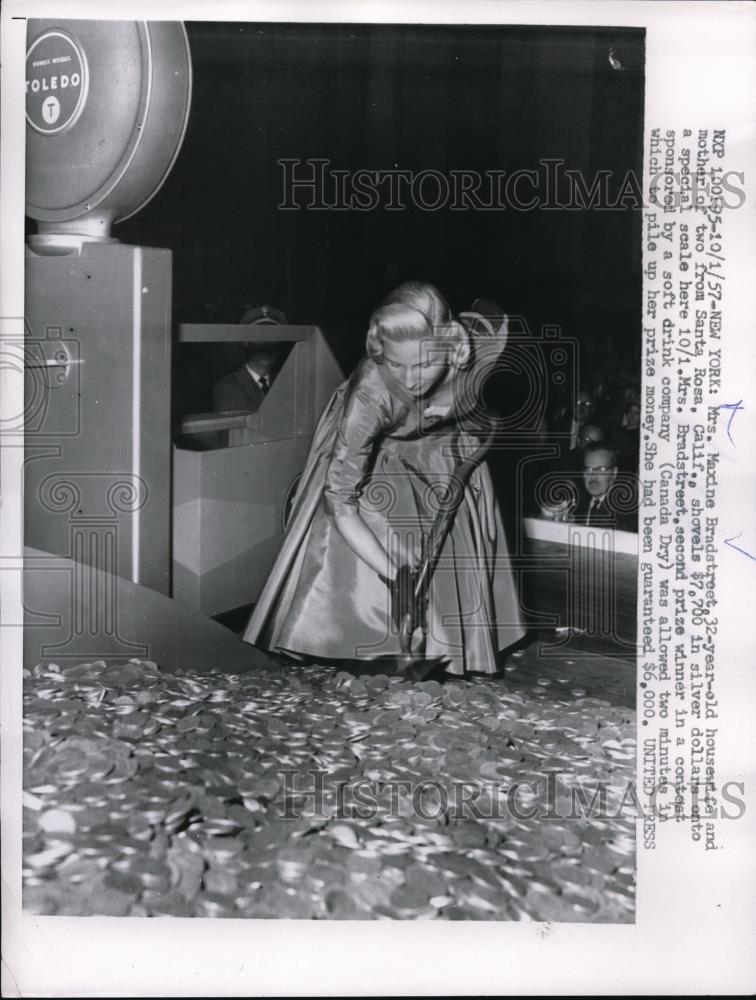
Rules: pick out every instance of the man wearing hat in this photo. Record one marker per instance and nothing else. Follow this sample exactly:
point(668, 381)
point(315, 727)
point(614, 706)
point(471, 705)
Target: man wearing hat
point(246, 388)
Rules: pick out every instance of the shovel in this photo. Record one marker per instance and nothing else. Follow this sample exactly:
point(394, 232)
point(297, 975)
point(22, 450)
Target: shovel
point(415, 619)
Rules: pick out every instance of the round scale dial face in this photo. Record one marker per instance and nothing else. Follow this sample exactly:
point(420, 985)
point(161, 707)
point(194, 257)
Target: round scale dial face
point(107, 103)
point(56, 82)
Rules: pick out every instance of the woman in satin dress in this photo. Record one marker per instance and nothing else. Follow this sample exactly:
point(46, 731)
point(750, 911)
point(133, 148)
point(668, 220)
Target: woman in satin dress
point(381, 457)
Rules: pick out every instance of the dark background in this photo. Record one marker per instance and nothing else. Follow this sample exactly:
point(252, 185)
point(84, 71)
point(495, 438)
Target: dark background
point(412, 97)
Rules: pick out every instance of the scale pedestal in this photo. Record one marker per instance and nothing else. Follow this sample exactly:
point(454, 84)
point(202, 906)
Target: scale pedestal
point(107, 104)
point(97, 472)
point(98, 452)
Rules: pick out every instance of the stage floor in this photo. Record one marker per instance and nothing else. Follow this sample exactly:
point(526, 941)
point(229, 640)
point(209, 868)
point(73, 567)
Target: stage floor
point(312, 793)
point(576, 660)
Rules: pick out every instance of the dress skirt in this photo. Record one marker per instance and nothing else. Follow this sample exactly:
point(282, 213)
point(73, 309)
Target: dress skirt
point(322, 600)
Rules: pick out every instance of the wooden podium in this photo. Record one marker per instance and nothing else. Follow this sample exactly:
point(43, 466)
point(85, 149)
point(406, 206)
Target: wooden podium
point(230, 499)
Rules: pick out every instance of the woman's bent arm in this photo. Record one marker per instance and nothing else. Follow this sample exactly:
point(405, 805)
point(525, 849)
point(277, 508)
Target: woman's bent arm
point(364, 544)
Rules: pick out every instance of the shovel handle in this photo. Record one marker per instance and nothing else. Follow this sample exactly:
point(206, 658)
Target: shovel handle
point(433, 542)
point(405, 635)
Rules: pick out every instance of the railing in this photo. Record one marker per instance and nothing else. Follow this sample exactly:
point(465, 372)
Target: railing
point(216, 430)
point(568, 533)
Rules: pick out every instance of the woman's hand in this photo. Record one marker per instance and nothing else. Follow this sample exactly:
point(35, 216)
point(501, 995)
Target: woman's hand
point(402, 590)
point(364, 544)
point(556, 512)
point(435, 411)
point(408, 606)
point(485, 500)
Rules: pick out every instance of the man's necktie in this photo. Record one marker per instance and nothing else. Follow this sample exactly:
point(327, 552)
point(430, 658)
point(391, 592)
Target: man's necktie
point(592, 509)
point(263, 380)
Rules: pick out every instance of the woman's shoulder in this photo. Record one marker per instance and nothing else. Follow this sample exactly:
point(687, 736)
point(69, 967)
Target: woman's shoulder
point(368, 406)
point(368, 382)
point(366, 373)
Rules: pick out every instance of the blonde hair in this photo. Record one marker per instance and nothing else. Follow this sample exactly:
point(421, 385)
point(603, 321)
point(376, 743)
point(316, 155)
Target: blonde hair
point(414, 310)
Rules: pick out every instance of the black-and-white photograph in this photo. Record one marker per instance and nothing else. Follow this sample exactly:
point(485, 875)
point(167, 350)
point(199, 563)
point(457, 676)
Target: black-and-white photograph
point(377, 536)
point(333, 405)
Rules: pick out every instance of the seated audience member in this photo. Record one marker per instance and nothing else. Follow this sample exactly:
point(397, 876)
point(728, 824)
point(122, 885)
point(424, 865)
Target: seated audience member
point(263, 316)
point(558, 415)
point(629, 393)
point(571, 460)
point(583, 413)
point(246, 388)
point(565, 474)
point(626, 438)
point(601, 499)
point(590, 434)
point(606, 395)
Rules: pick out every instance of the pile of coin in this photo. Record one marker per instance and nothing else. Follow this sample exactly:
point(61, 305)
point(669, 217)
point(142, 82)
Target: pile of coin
point(311, 793)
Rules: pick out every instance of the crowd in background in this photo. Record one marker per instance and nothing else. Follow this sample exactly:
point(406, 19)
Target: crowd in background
point(594, 479)
point(595, 428)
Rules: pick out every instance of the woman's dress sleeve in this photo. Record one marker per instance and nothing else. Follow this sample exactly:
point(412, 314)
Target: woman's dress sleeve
point(366, 416)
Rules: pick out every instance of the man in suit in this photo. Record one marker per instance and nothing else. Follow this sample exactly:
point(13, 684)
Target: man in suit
point(554, 481)
point(246, 388)
point(584, 408)
point(602, 501)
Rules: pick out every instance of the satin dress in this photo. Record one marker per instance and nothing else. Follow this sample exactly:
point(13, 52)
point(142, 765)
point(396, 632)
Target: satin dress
point(376, 453)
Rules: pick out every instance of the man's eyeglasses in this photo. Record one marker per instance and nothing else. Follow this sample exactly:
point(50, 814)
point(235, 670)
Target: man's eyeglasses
point(599, 468)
